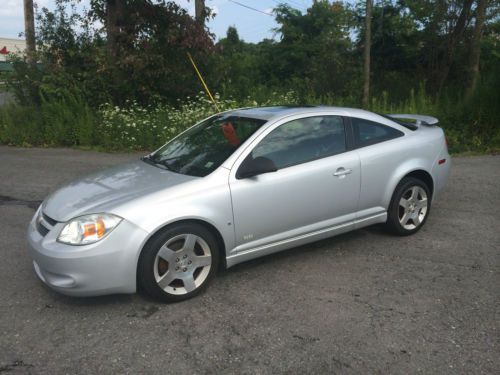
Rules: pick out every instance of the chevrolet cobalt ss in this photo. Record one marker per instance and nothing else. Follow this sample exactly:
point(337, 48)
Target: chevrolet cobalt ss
point(236, 186)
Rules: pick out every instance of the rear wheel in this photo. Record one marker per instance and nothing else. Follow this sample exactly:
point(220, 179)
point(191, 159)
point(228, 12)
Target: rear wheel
point(410, 206)
point(179, 262)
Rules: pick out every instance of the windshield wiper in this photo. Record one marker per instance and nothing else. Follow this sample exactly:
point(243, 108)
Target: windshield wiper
point(147, 159)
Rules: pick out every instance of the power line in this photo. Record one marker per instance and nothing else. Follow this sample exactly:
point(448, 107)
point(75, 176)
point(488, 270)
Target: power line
point(249, 7)
point(293, 3)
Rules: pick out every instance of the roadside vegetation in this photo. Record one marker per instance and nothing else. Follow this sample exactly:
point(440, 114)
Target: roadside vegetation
point(132, 87)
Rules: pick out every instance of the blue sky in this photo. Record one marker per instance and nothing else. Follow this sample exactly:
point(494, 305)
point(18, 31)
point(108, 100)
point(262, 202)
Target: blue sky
point(252, 26)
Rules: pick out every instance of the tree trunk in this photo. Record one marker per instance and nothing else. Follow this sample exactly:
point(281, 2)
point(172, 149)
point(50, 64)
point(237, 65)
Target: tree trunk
point(453, 40)
point(199, 10)
point(476, 48)
point(114, 10)
point(29, 31)
point(366, 54)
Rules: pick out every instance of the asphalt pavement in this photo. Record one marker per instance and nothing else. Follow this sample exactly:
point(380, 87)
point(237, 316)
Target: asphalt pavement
point(362, 302)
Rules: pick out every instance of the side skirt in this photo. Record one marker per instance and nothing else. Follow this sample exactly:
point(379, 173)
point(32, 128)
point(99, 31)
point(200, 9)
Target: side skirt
point(275, 247)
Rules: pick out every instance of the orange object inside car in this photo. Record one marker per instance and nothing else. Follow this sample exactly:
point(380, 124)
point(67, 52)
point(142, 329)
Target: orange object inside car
point(230, 134)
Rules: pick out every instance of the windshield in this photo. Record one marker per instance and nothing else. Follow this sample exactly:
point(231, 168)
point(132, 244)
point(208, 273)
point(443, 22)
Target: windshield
point(203, 148)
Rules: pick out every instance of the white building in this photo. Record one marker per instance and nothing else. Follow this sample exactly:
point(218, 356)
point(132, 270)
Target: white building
point(9, 45)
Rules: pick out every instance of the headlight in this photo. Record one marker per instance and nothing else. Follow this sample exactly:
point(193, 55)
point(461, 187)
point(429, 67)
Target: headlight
point(88, 229)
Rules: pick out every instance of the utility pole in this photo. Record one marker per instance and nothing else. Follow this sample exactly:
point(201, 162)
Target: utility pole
point(366, 54)
point(29, 32)
point(199, 11)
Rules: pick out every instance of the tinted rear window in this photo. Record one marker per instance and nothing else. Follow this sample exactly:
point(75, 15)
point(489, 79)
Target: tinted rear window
point(368, 133)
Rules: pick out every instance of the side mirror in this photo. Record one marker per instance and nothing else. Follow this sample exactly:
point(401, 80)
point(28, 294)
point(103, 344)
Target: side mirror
point(252, 167)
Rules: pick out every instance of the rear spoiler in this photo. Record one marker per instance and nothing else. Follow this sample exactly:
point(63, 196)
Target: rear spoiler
point(419, 119)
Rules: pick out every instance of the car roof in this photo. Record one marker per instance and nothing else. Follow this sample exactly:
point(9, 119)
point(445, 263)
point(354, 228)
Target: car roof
point(280, 111)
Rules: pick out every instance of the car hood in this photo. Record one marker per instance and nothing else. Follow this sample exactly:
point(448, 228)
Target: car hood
point(102, 191)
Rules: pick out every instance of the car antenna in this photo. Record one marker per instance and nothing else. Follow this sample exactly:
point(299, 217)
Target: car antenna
point(203, 82)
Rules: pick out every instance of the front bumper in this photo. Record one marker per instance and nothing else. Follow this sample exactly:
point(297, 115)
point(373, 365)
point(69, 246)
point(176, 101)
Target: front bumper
point(106, 267)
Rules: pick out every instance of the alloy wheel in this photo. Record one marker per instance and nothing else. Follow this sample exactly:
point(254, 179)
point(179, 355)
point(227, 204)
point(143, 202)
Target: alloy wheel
point(182, 264)
point(413, 207)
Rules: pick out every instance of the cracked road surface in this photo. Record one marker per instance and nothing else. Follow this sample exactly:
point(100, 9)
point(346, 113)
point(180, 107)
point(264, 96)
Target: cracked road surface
point(363, 302)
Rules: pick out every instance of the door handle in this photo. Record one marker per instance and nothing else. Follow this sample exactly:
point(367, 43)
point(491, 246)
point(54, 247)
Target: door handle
point(341, 172)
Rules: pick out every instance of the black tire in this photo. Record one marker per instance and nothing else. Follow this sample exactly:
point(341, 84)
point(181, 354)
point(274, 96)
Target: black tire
point(178, 261)
point(396, 212)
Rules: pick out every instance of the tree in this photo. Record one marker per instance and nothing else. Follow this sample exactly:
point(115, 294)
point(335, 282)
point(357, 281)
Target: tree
point(315, 52)
point(114, 15)
point(453, 38)
point(139, 54)
point(395, 63)
point(29, 27)
point(366, 54)
point(476, 48)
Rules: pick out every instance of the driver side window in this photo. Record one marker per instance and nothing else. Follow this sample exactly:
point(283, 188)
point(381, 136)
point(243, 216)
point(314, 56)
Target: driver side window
point(303, 140)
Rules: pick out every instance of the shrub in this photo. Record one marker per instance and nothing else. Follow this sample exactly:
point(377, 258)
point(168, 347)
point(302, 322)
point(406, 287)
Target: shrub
point(68, 122)
point(20, 126)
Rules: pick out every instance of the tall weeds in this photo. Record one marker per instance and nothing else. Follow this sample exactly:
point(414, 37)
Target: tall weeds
point(472, 125)
point(68, 122)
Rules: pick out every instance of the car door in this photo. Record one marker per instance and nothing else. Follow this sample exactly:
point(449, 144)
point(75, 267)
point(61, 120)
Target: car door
point(315, 188)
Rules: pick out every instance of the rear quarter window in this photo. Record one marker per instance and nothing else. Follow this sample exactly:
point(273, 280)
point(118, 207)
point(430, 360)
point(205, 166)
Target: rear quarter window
point(368, 133)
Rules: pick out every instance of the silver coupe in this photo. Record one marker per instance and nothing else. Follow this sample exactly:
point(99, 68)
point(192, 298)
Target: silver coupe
point(236, 186)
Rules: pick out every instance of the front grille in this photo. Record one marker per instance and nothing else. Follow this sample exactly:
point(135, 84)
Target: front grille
point(49, 220)
point(44, 224)
point(41, 229)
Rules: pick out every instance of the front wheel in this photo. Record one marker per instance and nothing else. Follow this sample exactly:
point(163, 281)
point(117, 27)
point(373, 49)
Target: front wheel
point(179, 262)
point(410, 206)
